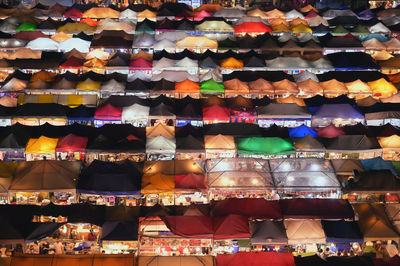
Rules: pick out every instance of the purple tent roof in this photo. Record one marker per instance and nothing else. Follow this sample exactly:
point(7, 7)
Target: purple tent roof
point(337, 111)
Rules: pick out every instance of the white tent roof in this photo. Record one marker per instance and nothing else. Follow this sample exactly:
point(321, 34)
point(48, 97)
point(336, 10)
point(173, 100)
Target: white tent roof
point(176, 76)
point(15, 84)
point(164, 44)
point(287, 63)
point(74, 43)
point(161, 144)
point(163, 63)
point(43, 44)
point(186, 62)
point(305, 75)
point(332, 13)
point(113, 86)
point(128, 14)
point(230, 13)
point(134, 112)
point(379, 28)
point(171, 36)
point(294, 14)
point(139, 75)
point(304, 232)
point(143, 40)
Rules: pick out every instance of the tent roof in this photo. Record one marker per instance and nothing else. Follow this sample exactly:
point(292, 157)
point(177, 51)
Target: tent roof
point(281, 110)
point(342, 231)
point(219, 142)
point(120, 178)
point(72, 142)
point(264, 146)
point(332, 111)
point(119, 231)
point(45, 176)
point(157, 183)
point(307, 143)
point(41, 145)
point(373, 180)
point(267, 232)
point(351, 142)
point(304, 232)
point(232, 226)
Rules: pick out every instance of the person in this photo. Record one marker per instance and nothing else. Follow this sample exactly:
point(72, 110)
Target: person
point(44, 248)
point(345, 253)
point(321, 253)
point(58, 248)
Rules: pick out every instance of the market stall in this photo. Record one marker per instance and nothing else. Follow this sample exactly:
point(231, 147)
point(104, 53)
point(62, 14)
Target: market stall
point(107, 114)
point(119, 238)
point(7, 173)
point(239, 178)
point(284, 114)
point(268, 235)
point(336, 114)
point(160, 148)
point(352, 146)
point(42, 148)
point(135, 114)
point(12, 148)
point(42, 182)
point(110, 184)
point(308, 147)
point(391, 147)
point(264, 147)
point(71, 148)
point(219, 146)
point(190, 147)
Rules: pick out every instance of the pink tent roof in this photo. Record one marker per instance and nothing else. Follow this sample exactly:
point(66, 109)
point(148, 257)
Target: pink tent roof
point(108, 112)
point(72, 143)
point(256, 258)
point(73, 13)
point(329, 132)
point(190, 226)
point(141, 63)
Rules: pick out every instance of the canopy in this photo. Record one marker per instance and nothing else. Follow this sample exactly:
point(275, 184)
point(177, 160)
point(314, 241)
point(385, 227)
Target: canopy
point(392, 142)
point(135, 112)
point(119, 231)
point(374, 223)
point(108, 112)
point(382, 88)
point(304, 232)
point(161, 144)
point(373, 181)
point(41, 145)
point(120, 178)
point(334, 111)
point(216, 113)
point(232, 226)
point(352, 143)
point(268, 232)
point(250, 207)
point(307, 143)
point(219, 142)
point(302, 131)
point(72, 143)
point(211, 86)
point(101, 12)
point(255, 258)
point(264, 146)
point(303, 174)
point(46, 176)
point(342, 232)
point(282, 110)
point(330, 131)
point(378, 164)
point(160, 129)
point(252, 27)
point(157, 183)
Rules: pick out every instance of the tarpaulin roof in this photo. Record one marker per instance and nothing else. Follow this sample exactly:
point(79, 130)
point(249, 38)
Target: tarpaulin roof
point(190, 181)
point(264, 146)
point(304, 232)
point(250, 207)
point(255, 258)
point(45, 176)
point(378, 164)
point(108, 112)
point(316, 209)
point(71, 143)
point(307, 143)
point(332, 111)
point(342, 231)
point(351, 142)
point(41, 145)
point(119, 231)
point(216, 113)
point(282, 110)
point(252, 27)
point(211, 86)
point(157, 183)
point(390, 142)
point(374, 223)
point(267, 232)
point(382, 88)
point(302, 131)
point(347, 166)
point(197, 42)
point(120, 178)
point(190, 226)
point(219, 142)
point(232, 226)
point(330, 131)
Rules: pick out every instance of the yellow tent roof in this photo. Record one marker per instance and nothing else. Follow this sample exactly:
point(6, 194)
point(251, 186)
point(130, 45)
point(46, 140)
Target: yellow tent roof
point(281, 28)
point(101, 12)
point(298, 21)
point(95, 63)
point(88, 85)
point(209, 8)
point(308, 8)
point(219, 142)
point(215, 25)
point(382, 88)
point(157, 183)
point(7, 169)
point(44, 76)
point(236, 86)
point(275, 13)
point(291, 99)
point(390, 142)
point(358, 86)
point(381, 55)
point(301, 28)
point(278, 21)
point(232, 63)
point(61, 36)
point(285, 86)
point(191, 42)
point(309, 87)
point(257, 13)
point(41, 145)
point(25, 53)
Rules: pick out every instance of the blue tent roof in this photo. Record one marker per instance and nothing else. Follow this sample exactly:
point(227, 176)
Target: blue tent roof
point(82, 113)
point(121, 231)
point(302, 131)
point(378, 164)
point(342, 231)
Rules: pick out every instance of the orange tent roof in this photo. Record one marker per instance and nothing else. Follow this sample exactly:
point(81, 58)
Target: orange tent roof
point(261, 86)
point(232, 63)
point(382, 88)
point(236, 86)
point(219, 142)
point(41, 145)
point(358, 86)
point(187, 86)
point(43, 75)
point(285, 86)
point(291, 99)
point(334, 86)
point(90, 22)
point(157, 183)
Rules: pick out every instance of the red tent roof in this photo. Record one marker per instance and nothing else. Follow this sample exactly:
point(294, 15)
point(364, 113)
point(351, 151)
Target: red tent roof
point(73, 13)
point(329, 132)
point(255, 208)
point(29, 35)
point(216, 113)
point(231, 227)
point(256, 258)
point(141, 63)
point(252, 27)
point(316, 209)
point(72, 143)
point(108, 112)
point(190, 226)
point(190, 181)
point(72, 63)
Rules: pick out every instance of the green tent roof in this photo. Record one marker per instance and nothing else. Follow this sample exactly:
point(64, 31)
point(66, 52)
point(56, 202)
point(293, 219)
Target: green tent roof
point(26, 26)
point(264, 146)
point(360, 30)
point(339, 30)
point(211, 86)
